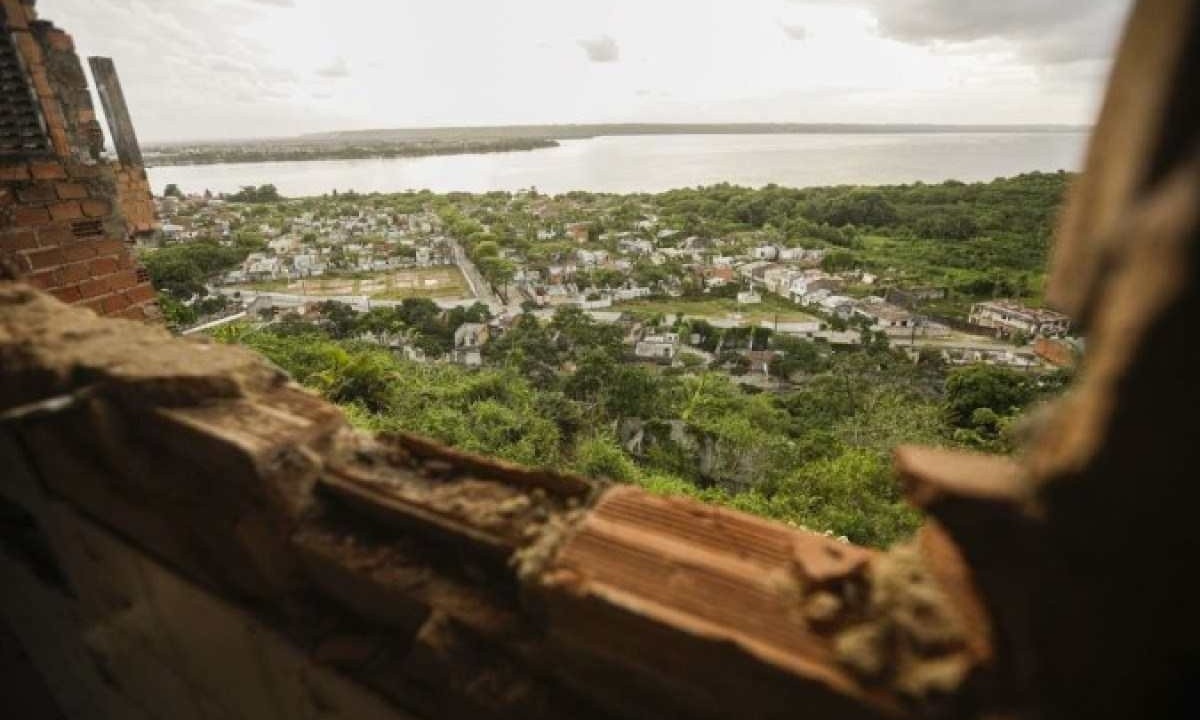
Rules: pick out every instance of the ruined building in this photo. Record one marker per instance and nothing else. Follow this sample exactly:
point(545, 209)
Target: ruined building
point(185, 533)
point(66, 213)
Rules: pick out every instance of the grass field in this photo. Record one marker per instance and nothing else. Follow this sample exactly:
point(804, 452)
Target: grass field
point(771, 308)
point(444, 281)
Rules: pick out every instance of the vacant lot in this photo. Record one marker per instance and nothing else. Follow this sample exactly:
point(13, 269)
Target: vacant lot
point(435, 282)
point(771, 308)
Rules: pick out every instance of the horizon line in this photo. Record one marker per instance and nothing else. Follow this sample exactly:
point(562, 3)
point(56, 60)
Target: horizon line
point(781, 127)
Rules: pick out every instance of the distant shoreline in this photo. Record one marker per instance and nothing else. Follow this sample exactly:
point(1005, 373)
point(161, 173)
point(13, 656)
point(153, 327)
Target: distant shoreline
point(496, 133)
point(428, 142)
point(659, 163)
point(292, 151)
point(570, 132)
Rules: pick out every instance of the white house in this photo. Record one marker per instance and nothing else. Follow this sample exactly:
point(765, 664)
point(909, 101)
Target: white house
point(838, 305)
point(885, 316)
point(765, 252)
point(663, 346)
point(1008, 317)
point(469, 340)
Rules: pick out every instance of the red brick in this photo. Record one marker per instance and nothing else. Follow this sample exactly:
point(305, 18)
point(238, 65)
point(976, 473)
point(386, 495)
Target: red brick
point(60, 41)
point(18, 240)
point(55, 236)
point(103, 266)
point(122, 280)
point(71, 191)
point(7, 197)
point(77, 272)
point(37, 193)
point(8, 173)
point(79, 170)
point(95, 305)
point(141, 293)
point(109, 247)
point(67, 294)
point(26, 216)
point(66, 210)
point(115, 303)
point(44, 280)
point(47, 170)
point(79, 251)
point(45, 258)
point(96, 208)
point(94, 287)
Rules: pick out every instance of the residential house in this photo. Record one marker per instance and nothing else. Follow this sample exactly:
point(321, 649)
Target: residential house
point(635, 246)
point(810, 282)
point(662, 346)
point(171, 231)
point(765, 252)
point(1008, 317)
point(838, 306)
point(592, 258)
point(469, 340)
point(777, 278)
point(885, 316)
point(715, 277)
point(560, 273)
point(808, 256)
point(631, 292)
point(578, 231)
point(259, 266)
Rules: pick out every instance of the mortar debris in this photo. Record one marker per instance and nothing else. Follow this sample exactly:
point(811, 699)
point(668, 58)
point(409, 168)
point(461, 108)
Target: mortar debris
point(905, 636)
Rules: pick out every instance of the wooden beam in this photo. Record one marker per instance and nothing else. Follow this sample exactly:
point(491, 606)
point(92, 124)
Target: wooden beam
point(120, 125)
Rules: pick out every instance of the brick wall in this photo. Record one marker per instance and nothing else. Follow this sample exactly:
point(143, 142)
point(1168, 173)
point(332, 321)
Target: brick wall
point(66, 215)
point(135, 200)
point(1057, 352)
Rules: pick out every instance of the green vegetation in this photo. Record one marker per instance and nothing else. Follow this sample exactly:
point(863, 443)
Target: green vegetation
point(559, 394)
point(180, 270)
point(260, 194)
point(977, 240)
point(973, 241)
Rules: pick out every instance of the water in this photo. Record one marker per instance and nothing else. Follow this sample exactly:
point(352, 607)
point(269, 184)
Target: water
point(652, 163)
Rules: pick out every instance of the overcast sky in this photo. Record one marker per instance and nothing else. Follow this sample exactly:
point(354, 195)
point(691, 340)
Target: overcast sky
point(198, 69)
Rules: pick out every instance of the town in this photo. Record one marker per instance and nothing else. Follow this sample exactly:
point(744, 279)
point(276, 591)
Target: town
point(618, 260)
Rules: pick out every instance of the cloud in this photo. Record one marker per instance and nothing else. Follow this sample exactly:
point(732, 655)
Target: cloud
point(336, 69)
point(602, 49)
point(275, 3)
point(794, 31)
point(1045, 31)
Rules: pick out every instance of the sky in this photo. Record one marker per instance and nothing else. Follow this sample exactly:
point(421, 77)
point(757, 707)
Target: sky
point(221, 69)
